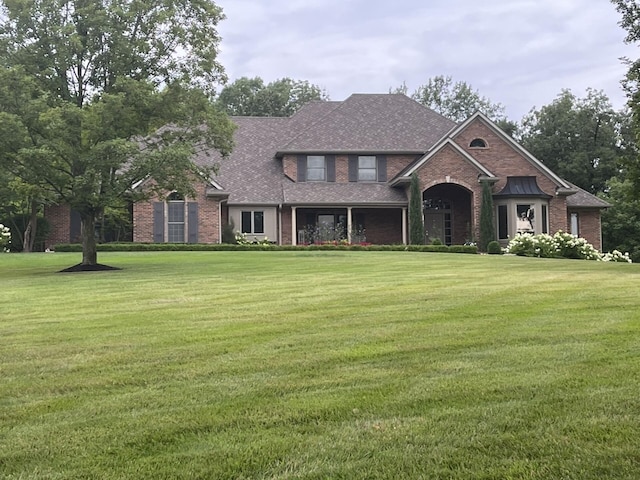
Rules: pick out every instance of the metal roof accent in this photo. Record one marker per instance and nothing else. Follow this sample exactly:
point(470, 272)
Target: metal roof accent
point(522, 187)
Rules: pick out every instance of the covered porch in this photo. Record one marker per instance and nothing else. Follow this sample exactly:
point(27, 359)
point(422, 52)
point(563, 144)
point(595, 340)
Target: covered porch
point(352, 224)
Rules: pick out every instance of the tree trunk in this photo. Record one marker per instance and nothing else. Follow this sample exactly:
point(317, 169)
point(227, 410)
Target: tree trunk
point(29, 237)
point(89, 250)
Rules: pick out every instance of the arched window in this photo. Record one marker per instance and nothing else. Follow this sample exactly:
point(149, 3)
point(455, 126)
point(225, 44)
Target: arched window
point(478, 143)
point(175, 218)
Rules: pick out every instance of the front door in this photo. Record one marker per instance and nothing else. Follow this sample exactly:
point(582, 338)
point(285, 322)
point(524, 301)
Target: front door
point(434, 226)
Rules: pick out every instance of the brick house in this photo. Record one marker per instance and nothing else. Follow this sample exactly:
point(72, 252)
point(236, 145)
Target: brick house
point(345, 167)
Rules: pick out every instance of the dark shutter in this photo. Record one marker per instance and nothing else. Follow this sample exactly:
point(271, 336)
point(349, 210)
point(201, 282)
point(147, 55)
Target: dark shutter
point(75, 227)
point(331, 168)
point(382, 168)
point(192, 222)
point(302, 168)
point(353, 168)
point(158, 222)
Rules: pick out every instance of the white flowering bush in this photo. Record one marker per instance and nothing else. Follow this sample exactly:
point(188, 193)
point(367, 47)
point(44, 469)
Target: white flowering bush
point(241, 239)
point(5, 238)
point(562, 245)
point(616, 256)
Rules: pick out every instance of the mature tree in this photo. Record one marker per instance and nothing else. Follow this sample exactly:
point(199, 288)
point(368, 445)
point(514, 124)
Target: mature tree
point(579, 139)
point(416, 218)
point(455, 100)
point(281, 98)
point(487, 228)
point(630, 11)
point(621, 222)
point(87, 86)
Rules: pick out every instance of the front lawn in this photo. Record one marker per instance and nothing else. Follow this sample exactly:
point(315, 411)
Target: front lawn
point(314, 365)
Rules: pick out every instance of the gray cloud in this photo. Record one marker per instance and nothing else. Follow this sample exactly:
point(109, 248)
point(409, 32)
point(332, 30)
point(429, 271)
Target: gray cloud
point(520, 53)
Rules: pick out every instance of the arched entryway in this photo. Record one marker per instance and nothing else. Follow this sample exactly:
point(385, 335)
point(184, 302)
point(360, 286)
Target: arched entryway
point(448, 215)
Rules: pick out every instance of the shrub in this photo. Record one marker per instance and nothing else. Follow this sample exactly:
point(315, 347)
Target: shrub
point(5, 238)
point(561, 244)
point(494, 248)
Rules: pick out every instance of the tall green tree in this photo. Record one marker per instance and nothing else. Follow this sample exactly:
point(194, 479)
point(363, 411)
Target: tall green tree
point(281, 98)
point(416, 218)
point(454, 100)
point(487, 228)
point(621, 222)
point(580, 139)
point(630, 12)
point(88, 86)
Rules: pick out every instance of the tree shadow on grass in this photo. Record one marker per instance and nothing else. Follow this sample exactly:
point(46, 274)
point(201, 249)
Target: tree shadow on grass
point(98, 267)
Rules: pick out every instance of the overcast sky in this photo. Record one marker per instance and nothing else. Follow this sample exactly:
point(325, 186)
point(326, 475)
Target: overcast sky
point(520, 53)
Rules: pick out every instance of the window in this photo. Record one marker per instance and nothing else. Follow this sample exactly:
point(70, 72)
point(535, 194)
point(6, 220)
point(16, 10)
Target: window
point(515, 216)
point(316, 168)
point(367, 168)
point(503, 230)
point(575, 225)
point(525, 220)
point(175, 218)
point(252, 222)
point(478, 143)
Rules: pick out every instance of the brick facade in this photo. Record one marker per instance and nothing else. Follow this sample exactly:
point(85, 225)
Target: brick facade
point(446, 175)
point(59, 218)
point(209, 221)
point(589, 225)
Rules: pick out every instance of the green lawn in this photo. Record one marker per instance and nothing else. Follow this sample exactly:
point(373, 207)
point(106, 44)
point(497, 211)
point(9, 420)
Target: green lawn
point(315, 365)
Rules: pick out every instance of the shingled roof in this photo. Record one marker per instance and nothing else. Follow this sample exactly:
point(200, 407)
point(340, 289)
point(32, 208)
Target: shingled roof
point(379, 123)
point(382, 123)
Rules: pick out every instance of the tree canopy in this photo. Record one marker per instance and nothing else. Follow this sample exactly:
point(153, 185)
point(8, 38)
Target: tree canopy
point(454, 100)
point(101, 95)
point(630, 11)
point(280, 98)
point(580, 139)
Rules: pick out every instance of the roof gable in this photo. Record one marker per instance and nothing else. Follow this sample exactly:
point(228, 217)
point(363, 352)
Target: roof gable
point(481, 117)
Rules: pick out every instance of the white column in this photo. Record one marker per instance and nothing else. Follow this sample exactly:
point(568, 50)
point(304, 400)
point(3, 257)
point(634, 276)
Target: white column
point(294, 227)
point(349, 224)
point(404, 225)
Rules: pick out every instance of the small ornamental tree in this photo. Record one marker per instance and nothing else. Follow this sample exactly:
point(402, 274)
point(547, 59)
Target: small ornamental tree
point(416, 221)
point(487, 229)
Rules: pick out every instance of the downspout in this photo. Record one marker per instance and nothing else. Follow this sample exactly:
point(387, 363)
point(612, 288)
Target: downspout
point(279, 234)
point(294, 227)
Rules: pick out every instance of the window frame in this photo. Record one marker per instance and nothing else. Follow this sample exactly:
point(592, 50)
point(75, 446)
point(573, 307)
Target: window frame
point(312, 171)
point(479, 143)
point(372, 170)
point(251, 221)
point(508, 213)
point(176, 226)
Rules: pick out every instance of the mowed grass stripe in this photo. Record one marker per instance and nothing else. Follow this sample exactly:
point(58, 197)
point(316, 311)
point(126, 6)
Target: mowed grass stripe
point(319, 365)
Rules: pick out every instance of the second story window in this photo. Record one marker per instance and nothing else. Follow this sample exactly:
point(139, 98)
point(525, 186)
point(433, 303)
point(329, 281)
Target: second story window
point(316, 168)
point(367, 168)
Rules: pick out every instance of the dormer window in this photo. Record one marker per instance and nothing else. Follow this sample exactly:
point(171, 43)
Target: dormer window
point(478, 143)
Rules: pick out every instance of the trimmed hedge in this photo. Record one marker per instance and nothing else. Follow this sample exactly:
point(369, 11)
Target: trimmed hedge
point(226, 247)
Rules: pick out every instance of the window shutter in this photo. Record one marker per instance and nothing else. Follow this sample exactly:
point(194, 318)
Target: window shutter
point(158, 222)
point(353, 168)
point(382, 168)
point(331, 168)
point(75, 227)
point(302, 168)
point(192, 222)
